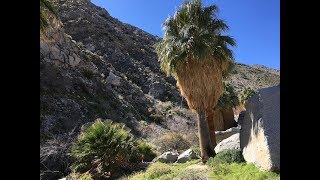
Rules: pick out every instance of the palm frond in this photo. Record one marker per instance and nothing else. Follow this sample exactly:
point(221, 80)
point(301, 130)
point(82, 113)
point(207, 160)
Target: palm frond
point(195, 32)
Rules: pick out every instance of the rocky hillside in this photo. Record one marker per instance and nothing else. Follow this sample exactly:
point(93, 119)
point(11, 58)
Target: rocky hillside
point(255, 77)
point(95, 66)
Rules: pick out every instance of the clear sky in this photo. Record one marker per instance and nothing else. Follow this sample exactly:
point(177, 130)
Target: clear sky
point(254, 24)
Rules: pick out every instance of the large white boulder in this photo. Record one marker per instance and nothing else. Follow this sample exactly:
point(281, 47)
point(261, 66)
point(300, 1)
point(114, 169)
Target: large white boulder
point(232, 142)
point(260, 129)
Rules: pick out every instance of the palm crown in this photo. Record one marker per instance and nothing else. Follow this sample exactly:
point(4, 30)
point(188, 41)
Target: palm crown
point(194, 32)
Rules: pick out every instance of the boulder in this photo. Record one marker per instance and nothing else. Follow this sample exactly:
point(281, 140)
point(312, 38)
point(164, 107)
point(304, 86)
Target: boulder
point(113, 79)
point(232, 142)
point(167, 157)
point(221, 135)
point(186, 156)
point(260, 129)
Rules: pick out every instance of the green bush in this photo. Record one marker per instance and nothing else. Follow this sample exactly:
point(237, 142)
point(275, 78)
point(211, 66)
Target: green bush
point(226, 156)
point(158, 170)
point(196, 149)
point(103, 149)
point(173, 141)
point(245, 94)
point(146, 151)
point(229, 97)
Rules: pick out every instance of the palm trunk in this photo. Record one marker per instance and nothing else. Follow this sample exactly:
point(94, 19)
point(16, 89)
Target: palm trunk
point(211, 127)
point(204, 137)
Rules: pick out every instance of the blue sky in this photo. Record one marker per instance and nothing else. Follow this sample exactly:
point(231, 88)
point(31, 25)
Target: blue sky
point(254, 24)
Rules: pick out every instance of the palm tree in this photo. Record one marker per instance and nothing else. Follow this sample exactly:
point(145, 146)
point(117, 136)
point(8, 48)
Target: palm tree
point(196, 54)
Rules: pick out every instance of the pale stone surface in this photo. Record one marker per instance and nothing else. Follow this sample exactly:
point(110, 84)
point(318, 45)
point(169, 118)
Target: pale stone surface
point(232, 142)
point(186, 156)
point(260, 129)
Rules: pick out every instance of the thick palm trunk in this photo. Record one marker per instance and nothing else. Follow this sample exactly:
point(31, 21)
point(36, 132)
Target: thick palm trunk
point(211, 125)
point(204, 137)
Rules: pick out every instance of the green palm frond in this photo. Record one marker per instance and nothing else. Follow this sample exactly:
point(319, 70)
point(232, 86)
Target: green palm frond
point(229, 98)
point(196, 32)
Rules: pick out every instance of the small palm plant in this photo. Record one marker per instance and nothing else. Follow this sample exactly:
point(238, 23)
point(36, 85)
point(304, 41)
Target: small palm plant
point(102, 149)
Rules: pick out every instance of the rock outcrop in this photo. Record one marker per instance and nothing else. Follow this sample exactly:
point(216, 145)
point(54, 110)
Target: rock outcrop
point(232, 142)
point(167, 157)
point(129, 49)
point(186, 156)
point(260, 129)
point(221, 135)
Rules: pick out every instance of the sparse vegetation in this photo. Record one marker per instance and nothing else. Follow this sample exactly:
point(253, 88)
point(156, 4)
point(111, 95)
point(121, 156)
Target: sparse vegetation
point(236, 171)
point(227, 169)
point(160, 170)
point(47, 11)
point(173, 141)
point(226, 156)
point(245, 94)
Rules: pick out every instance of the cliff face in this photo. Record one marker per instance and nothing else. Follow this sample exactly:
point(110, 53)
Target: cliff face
point(95, 66)
point(129, 49)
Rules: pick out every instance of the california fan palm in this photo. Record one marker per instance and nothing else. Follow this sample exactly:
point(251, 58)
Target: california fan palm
point(196, 53)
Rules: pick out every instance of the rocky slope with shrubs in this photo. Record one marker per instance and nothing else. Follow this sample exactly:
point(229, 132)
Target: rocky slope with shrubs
point(95, 66)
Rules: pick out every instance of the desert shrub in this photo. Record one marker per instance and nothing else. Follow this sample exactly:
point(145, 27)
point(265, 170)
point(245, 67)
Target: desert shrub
point(103, 149)
point(245, 94)
point(226, 156)
point(172, 141)
point(87, 73)
point(145, 150)
point(157, 118)
point(196, 149)
point(160, 170)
